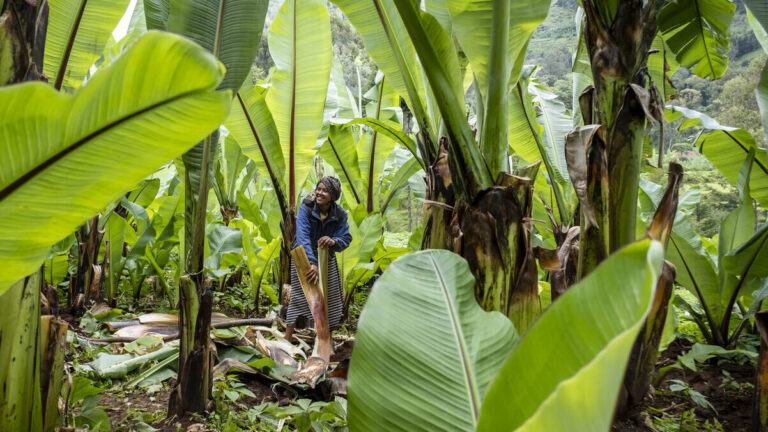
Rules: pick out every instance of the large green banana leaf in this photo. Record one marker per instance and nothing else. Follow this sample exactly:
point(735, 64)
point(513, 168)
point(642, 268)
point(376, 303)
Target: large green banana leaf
point(540, 134)
point(387, 42)
point(230, 29)
point(257, 260)
point(524, 130)
point(221, 241)
point(759, 9)
point(252, 126)
point(66, 155)
point(555, 123)
point(566, 373)
point(727, 147)
point(425, 351)
point(750, 259)
point(697, 32)
point(472, 22)
point(757, 15)
point(156, 13)
point(300, 44)
point(76, 35)
point(661, 66)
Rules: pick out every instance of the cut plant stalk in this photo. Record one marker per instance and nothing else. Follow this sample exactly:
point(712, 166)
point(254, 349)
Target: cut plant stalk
point(645, 351)
point(316, 294)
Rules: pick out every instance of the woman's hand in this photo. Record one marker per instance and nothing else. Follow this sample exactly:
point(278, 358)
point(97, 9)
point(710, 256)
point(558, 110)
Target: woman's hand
point(312, 274)
point(325, 241)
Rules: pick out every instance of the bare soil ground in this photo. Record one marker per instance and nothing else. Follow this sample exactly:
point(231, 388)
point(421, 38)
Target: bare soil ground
point(730, 397)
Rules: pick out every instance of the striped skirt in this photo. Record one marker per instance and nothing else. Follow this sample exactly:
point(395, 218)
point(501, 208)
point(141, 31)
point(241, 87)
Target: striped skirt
point(298, 305)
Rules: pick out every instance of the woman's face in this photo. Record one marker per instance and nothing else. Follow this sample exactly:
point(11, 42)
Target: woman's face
point(322, 196)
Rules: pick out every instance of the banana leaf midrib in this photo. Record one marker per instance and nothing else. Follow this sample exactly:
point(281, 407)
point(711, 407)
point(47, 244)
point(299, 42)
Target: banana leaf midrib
point(292, 124)
point(473, 396)
point(31, 174)
point(344, 168)
point(756, 161)
point(70, 45)
point(373, 150)
point(703, 36)
point(272, 175)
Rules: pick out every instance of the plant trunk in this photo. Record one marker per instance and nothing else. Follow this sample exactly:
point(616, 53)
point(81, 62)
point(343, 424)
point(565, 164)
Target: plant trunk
point(89, 274)
point(288, 227)
point(437, 219)
point(494, 238)
point(23, 27)
point(192, 393)
point(193, 390)
point(619, 48)
point(21, 405)
point(760, 404)
point(410, 216)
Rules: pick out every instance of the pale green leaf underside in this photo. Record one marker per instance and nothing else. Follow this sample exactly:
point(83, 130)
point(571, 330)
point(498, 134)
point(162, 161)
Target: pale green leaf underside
point(566, 372)
point(425, 351)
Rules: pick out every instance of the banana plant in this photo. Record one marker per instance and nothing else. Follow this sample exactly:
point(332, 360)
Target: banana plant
point(157, 223)
point(757, 15)
point(617, 107)
point(233, 173)
point(469, 174)
point(482, 375)
point(718, 281)
point(231, 32)
point(58, 149)
point(727, 148)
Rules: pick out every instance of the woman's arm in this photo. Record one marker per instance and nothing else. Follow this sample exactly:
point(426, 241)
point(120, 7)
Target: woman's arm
point(302, 234)
point(341, 236)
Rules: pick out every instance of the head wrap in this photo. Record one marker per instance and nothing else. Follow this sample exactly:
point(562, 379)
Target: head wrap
point(332, 185)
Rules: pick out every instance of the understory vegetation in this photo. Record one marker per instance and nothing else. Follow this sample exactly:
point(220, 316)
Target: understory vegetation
point(548, 203)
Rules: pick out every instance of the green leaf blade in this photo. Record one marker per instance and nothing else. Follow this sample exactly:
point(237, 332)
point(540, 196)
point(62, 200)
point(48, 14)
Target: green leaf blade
point(577, 350)
point(75, 37)
point(452, 354)
point(59, 176)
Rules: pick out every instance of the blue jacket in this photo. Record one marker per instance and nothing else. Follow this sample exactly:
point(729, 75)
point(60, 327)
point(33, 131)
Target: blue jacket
point(309, 228)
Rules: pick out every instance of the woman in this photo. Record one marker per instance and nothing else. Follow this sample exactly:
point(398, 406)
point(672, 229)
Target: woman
point(321, 223)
